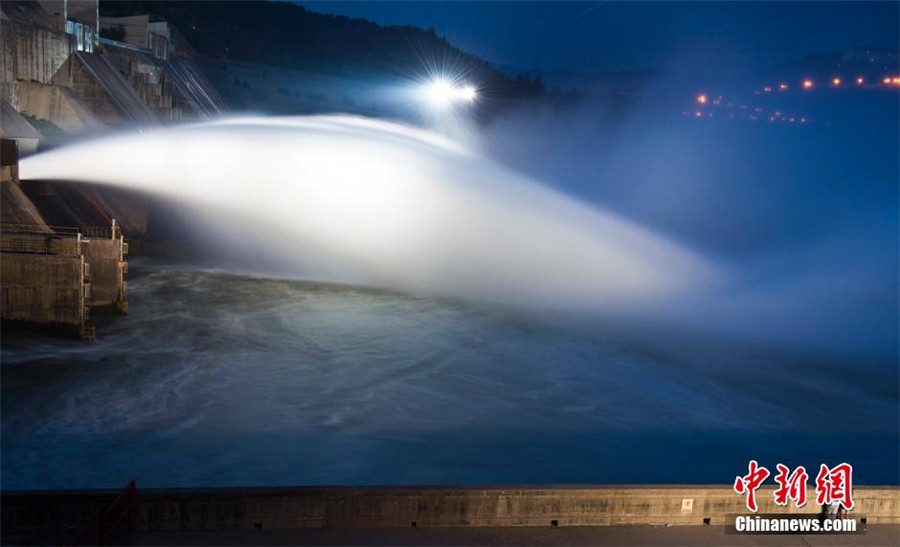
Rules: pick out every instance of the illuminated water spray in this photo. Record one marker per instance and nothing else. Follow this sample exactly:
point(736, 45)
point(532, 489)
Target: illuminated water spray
point(352, 199)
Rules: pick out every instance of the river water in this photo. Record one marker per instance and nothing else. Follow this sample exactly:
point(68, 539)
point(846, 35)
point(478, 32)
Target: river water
point(218, 379)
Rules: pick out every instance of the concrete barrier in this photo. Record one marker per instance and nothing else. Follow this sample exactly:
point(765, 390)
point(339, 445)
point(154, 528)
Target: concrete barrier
point(105, 254)
point(375, 507)
point(50, 279)
point(47, 289)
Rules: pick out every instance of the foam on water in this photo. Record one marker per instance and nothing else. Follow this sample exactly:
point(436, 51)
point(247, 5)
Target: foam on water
point(351, 199)
point(219, 379)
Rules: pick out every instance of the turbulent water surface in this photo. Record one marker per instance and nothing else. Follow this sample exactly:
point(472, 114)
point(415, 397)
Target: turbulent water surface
point(222, 379)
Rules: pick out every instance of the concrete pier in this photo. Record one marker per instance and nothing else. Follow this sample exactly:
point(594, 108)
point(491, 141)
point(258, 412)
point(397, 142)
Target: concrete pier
point(46, 290)
point(105, 252)
point(51, 279)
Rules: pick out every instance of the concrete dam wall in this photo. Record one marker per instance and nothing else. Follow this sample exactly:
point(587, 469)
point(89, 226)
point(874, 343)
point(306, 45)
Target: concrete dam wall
point(51, 279)
point(375, 507)
point(45, 289)
point(31, 53)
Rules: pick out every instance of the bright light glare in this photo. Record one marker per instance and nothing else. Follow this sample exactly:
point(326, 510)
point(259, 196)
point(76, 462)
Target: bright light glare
point(701, 98)
point(441, 93)
point(807, 84)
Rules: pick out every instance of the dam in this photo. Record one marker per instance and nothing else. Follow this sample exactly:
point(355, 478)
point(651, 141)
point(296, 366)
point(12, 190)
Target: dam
point(53, 275)
point(64, 248)
point(318, 321)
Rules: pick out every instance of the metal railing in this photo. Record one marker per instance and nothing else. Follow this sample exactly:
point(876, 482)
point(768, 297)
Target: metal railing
point(48, 245)
point(96, 232)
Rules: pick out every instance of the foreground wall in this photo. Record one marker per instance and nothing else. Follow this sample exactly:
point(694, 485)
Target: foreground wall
point(310, 507)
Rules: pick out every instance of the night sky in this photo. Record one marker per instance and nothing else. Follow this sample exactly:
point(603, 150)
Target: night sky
point(596, 36)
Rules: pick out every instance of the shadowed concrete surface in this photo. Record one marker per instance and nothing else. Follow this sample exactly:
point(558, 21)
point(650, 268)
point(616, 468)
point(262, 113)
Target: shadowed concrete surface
point(875, 535)
point(437, 515)
point(583, 535)
point(334, 507)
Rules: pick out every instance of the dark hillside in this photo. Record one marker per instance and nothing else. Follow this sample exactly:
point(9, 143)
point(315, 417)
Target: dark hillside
point(289, 36)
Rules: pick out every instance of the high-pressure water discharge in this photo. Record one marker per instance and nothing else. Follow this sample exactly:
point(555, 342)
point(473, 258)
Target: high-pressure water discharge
point(358, 200)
